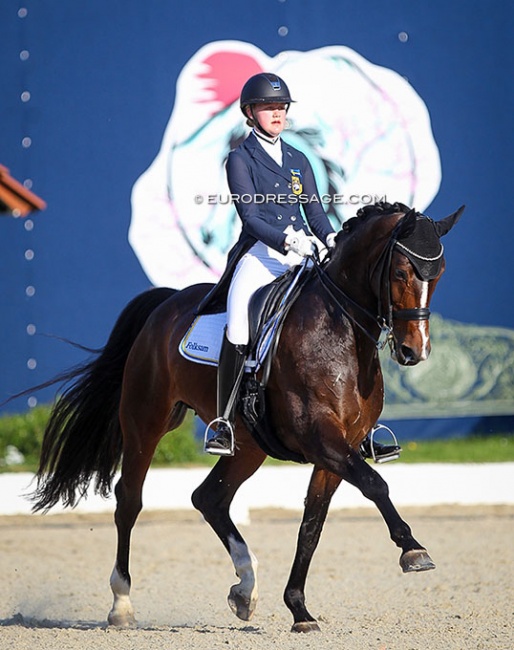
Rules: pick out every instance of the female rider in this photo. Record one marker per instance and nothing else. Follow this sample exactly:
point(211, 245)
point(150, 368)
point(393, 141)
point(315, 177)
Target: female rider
point(275, 235)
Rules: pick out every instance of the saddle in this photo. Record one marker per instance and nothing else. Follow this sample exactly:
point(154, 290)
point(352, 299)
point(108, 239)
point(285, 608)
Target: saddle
point(266, 314)
point(264, 302)
point(268, 309)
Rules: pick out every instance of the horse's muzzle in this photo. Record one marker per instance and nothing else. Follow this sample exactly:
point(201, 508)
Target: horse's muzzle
point(407, 356)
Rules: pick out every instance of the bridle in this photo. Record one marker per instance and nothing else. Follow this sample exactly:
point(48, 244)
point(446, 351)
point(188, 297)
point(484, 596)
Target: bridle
point(384, 318)
point(383, 267)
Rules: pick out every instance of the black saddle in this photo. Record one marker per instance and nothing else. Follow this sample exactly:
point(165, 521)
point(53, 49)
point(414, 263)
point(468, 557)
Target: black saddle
point(265, 301)
point(268, 309)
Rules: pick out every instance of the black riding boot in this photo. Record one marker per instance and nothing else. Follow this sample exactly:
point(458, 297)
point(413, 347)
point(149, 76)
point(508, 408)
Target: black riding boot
point(371, 448)
point(230, 373)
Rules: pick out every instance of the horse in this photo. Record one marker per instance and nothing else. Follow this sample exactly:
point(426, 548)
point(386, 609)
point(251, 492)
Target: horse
point(323, 395)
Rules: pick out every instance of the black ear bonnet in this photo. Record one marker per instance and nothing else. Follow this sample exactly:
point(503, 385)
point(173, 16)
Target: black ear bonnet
point(423, 248)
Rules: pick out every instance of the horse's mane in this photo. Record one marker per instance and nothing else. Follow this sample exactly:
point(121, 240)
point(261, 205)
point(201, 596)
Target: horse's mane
point(380, 208)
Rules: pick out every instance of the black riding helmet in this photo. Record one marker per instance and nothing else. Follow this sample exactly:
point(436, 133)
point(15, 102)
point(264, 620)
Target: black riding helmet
point(264, 88)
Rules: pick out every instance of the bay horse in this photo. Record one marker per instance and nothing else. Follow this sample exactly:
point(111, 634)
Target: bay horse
point(324, 394)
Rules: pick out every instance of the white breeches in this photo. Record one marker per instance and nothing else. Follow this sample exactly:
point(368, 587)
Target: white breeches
point(260, 266)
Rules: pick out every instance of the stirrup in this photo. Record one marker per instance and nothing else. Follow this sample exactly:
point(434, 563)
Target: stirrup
point(385, 457)
point(219, 451)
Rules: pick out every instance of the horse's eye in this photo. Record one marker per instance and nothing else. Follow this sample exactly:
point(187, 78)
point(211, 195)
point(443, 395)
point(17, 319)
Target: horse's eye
point(399, 274)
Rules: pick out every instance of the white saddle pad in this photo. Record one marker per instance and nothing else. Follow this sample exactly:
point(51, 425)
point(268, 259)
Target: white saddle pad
point(202, 342)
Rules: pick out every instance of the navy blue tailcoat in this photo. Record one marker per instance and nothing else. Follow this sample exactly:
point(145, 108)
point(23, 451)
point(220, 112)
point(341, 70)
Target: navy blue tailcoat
point(268, 198)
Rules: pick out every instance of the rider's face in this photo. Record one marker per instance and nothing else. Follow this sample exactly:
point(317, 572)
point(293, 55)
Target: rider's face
point(271, 117)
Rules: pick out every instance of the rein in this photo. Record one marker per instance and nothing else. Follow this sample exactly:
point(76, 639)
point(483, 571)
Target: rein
point(339, 296)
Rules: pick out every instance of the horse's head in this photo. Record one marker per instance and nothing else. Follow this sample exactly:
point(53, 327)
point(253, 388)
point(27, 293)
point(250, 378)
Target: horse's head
point(387, 262)
point(410, 267)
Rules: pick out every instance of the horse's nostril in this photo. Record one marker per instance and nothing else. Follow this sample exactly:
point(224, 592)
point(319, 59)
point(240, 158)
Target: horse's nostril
point(409, 357)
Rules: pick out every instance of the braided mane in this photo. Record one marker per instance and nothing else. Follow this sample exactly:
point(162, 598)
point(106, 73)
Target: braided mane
point(381, 207)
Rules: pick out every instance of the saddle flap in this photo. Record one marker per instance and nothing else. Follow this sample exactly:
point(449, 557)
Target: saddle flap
point(264, 302)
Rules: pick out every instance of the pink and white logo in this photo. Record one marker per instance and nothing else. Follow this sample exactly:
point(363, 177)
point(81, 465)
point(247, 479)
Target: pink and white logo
point(363, 127)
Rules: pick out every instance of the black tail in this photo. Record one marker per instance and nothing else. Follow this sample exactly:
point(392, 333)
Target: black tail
point(83, 439)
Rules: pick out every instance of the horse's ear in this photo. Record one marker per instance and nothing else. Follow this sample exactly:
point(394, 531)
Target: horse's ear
point(407, 224)
point(446, 224)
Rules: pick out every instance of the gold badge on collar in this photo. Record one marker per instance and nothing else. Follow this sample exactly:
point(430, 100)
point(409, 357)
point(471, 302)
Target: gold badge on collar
point(296, 181)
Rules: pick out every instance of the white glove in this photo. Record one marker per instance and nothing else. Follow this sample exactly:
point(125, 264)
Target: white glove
point(331, 240)
point(302, 246)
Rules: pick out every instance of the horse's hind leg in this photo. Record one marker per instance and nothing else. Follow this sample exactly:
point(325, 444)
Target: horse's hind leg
point(213, 498)
point(137, 456)
point(322, 486)
point(129, 503)
point(122, 612)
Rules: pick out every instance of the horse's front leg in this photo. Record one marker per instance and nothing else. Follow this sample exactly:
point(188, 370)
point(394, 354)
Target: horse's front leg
point(322, 486)
point(213, 498)
point(359, 473)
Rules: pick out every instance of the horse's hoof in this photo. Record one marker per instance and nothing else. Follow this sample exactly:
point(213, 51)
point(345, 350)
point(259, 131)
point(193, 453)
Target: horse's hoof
point(242, 606)
point(121, 620)
point(416, 560)
point(306, 626)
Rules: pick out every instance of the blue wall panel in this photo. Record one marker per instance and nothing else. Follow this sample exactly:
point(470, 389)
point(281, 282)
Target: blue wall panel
point(101, 77)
